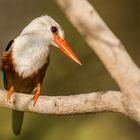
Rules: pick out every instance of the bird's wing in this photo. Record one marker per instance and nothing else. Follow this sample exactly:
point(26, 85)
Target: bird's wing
point(5, 82)
point(9, 46)
point(5, 54)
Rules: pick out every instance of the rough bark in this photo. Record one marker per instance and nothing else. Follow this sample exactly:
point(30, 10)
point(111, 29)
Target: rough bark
point(64, 105)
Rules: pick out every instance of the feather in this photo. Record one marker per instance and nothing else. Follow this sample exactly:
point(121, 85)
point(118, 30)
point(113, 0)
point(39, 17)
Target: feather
point(9, 46)
point(4, 80)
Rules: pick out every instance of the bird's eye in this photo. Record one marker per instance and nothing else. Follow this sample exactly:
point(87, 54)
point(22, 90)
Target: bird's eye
point(54, 30)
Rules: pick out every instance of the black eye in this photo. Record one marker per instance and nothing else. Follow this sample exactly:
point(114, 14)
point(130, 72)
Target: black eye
point(54, 30)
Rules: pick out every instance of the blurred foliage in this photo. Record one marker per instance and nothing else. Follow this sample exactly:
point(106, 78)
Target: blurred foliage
point(65, 77)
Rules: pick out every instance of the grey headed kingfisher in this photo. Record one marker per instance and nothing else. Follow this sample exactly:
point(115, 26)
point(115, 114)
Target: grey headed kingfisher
point(26, 59)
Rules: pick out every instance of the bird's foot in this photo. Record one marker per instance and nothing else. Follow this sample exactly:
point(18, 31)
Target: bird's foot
point(37, 93)
point(9, 93)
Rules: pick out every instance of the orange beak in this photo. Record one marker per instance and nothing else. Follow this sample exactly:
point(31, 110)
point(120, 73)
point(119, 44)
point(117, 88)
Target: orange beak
point(64, 47)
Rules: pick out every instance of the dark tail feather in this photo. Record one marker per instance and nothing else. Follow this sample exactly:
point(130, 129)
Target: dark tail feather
point(17, 119)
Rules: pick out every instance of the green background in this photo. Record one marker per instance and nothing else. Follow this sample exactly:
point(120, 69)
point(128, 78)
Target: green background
point(65, 77)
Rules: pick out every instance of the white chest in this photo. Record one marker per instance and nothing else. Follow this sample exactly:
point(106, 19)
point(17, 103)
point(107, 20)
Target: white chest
point(29, 57)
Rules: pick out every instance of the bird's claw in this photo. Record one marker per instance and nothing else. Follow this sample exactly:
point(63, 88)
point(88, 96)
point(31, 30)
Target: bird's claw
point(9, 94)
point(37, 93)
point(35, 98)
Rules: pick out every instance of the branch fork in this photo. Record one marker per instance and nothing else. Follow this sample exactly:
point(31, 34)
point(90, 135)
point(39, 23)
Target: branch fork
point(114, 56)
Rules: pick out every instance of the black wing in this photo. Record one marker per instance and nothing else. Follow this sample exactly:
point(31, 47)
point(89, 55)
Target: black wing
point(9, 46)
point(7, 49)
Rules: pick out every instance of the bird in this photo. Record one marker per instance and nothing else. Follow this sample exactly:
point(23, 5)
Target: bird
point(26, 59)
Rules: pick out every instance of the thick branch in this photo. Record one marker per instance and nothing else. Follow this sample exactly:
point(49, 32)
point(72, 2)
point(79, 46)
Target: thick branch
point(64, 105)
point(109, 49)
point(114, 56)
point(101, 39)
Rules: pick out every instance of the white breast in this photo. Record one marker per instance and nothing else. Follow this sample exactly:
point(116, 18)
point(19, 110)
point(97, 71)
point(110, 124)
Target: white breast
point(29, 55)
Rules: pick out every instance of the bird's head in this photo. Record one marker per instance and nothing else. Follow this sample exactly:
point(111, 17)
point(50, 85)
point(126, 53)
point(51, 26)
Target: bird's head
point(51, 33)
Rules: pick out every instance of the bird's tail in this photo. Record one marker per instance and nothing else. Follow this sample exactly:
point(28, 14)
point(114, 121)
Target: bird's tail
point(17, 119)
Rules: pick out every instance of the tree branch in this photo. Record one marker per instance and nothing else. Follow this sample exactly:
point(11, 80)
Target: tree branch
point(64, 105)
point(114, 56)
point(108, 48)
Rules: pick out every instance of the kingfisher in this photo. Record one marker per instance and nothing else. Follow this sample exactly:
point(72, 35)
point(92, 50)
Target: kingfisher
point(26, 59)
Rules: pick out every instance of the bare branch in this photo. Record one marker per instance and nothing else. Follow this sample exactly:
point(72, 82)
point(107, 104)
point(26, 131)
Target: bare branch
point(64, 105)
point(109, 49)
point(114, 56)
